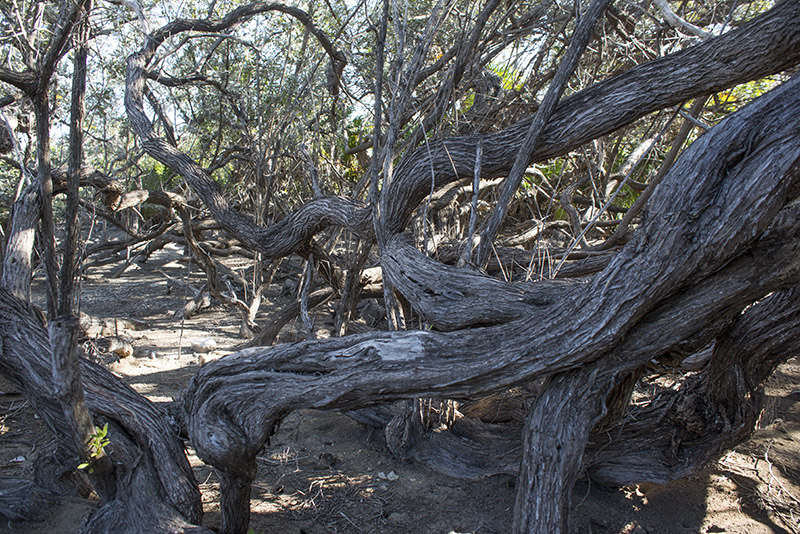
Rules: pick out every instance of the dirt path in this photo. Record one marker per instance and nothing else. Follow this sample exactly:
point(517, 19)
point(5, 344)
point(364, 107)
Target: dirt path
point(324, 473)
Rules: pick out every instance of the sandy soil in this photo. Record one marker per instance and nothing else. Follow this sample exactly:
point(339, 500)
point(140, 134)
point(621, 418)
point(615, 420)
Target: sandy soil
point(324, 473)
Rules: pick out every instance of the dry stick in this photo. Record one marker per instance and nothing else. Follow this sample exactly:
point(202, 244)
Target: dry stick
point(308, 280)
point(618, 237)
point(186, 287)
point(383, 161)
point(678, 23)
point(566, 205)
point(466, 254)
point(427, 206)
point(580, 39)
point(169, 129)
point(312, 172)
point(351, 288)
point(613, 197)
point(63, 328)
point(270, 332)
point(465, 54)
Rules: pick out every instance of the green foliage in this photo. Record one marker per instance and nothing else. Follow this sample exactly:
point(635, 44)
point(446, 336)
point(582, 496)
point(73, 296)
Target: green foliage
point(732, 99)
point(512, 77)
point(98, 442)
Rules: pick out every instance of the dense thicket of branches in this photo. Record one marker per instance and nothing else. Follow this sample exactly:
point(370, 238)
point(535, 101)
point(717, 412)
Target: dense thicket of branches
point(401, 136)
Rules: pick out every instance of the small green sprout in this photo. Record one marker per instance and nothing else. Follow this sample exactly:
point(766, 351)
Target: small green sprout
point(97, 443)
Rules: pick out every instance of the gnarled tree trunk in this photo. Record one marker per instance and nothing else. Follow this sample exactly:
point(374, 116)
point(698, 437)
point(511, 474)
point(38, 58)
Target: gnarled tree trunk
point(710, 209)
point(721, 233)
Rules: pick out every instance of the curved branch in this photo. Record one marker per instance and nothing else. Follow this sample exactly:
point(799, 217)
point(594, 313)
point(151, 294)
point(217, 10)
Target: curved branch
point(238, 16)
point(768, 44)
point(450, 298)
point(713, 412)
point(677, 22)
point(25, 360)
point(635, 450)
point(24, 81)
point(723, 193)
point(233, 404)
point(276, 241)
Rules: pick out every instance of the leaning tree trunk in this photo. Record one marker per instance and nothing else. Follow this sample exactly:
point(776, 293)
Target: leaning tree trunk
point(710, 209)
point(693, 255)
point(155, 490)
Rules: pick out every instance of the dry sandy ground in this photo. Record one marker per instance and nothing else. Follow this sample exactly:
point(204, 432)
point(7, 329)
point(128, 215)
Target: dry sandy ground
point(324, 473)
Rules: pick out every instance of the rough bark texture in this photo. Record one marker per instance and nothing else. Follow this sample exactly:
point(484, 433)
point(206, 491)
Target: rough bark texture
point(678, 327)
point(553, 440)
point(712, 412)
point(63, 331)
point(451, 298)
point(146, 449)
point(17, 263)
point(68, 393)
point(692, 266)
point(767, 44)
point(704, 214)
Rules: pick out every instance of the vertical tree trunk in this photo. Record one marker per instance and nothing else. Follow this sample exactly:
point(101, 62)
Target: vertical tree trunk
point(67, 294)
point(17, 263)
point(234, 491)
point(63, 330)
point(68, 392)
point(554, 438)
point(41, 109)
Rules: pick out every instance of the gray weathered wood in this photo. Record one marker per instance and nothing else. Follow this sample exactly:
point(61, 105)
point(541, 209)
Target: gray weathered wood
point(155, 457)
point(765, 45)
point(721, 195)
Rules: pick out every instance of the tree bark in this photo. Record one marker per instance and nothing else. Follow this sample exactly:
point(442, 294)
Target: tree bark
point(146, 450)
point(768, 44)
point(641, 448)
point(68, 392)
point(683, 430)
point(713, 205)
point(17, 263)
point(711, 208)
point(555, 434)
point(580, 38)
point(63, 331)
